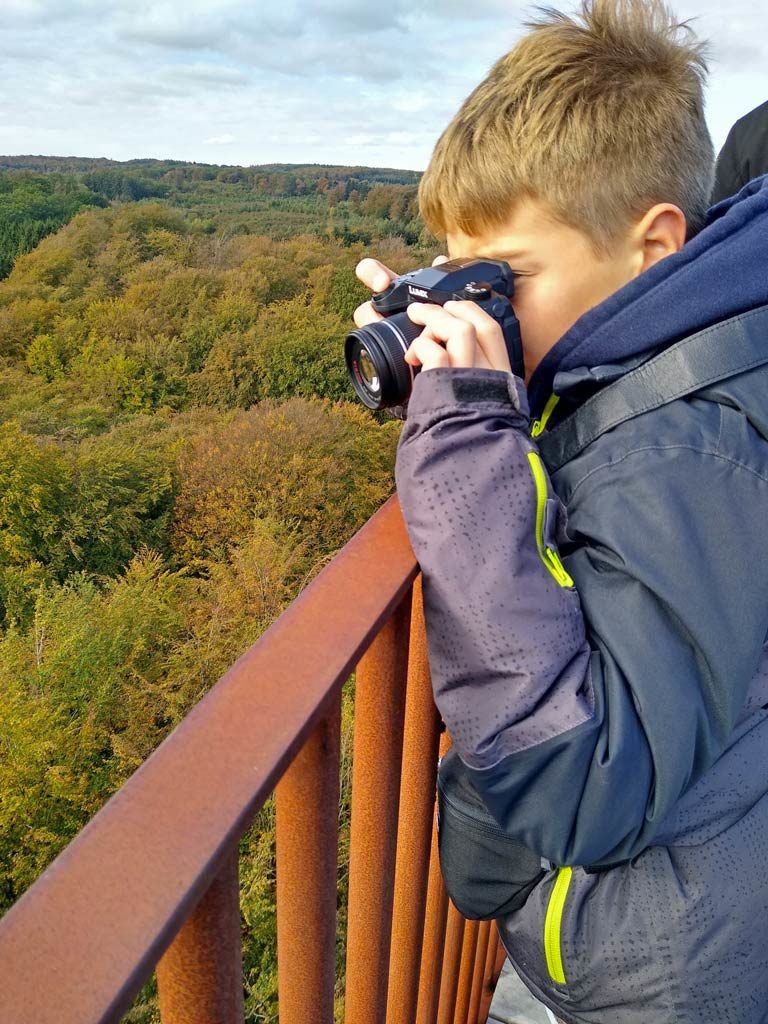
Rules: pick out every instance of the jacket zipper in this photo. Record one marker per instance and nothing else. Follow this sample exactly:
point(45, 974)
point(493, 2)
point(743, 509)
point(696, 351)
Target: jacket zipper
point(548, 555)
point(539, 426)
point(553, 921)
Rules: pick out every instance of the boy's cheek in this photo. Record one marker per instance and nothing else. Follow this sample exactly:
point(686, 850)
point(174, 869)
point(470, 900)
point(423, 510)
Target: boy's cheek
point(547, 307)
point(540, 321)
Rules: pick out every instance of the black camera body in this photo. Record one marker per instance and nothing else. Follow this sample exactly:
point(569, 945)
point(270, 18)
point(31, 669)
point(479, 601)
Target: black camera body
point(375, 354)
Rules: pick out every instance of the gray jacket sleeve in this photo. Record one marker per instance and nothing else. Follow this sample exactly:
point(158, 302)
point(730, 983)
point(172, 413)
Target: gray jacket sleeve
point(583, 713)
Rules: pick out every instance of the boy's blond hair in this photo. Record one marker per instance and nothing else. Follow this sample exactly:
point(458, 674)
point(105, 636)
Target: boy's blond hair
point(599, 115)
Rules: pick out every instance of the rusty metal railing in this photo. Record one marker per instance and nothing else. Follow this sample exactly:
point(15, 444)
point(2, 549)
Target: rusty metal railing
point(152, 881)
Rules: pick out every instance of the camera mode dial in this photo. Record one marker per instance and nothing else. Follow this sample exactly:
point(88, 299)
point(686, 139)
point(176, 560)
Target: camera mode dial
point(477, 291)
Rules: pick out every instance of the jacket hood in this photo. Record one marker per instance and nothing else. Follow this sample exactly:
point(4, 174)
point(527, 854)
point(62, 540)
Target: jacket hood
point(720, 272)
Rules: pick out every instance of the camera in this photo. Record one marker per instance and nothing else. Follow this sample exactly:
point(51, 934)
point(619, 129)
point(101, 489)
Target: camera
point(375, 354)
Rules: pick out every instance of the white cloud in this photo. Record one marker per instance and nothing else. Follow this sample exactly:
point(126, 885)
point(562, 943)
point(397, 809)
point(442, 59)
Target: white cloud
point(220, 140)
point(411, 102)
point(337, 81)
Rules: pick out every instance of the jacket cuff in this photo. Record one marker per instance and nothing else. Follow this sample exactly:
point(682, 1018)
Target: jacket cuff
point(467, 386)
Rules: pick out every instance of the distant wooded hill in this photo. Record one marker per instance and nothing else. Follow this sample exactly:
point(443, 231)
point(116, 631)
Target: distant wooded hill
point(39, 194)
point(157, 168)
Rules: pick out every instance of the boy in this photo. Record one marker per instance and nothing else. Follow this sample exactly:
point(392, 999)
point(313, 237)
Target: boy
point(607, 701)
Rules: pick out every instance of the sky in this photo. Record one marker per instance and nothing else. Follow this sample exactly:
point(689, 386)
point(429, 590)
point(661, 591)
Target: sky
point(348, 82)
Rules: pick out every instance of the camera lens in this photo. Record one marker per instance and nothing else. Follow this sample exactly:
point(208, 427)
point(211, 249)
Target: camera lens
point(376, 361)
point(369, 372)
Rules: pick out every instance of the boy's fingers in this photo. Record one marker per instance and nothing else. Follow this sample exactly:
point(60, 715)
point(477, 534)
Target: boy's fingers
point(461, 350)
point(365, 315)
point(440, 322)
point(374, 274)
point(457, 335)
point(427, 353)
point(487, 331)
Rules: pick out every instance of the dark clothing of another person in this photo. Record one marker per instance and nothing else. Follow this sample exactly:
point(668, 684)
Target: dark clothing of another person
point(744, 155)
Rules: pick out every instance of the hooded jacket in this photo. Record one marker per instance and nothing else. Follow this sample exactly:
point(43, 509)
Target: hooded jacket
point(597, 643)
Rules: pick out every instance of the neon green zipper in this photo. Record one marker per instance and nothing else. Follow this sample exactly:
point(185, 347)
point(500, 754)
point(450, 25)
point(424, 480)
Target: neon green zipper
point(553, 924)
point(539, 426)
point(548, 555)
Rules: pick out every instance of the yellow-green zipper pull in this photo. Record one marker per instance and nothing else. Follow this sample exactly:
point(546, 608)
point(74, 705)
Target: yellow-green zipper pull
point(539, 426)
point(548, 555)
point(557, 568)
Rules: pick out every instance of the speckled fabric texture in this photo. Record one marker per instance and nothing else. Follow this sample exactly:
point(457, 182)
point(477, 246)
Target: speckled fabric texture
point(495, 613)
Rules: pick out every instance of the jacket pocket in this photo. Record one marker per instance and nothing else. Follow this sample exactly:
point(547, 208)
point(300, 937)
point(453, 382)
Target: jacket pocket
point(553, 926)
point(487, 872)
point(547, 551)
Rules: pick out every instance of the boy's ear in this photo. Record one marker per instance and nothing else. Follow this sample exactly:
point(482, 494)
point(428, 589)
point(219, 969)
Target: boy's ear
point(661, 232)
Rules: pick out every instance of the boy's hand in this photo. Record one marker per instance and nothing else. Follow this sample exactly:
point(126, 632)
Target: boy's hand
point(457, 334)
point(377, 277)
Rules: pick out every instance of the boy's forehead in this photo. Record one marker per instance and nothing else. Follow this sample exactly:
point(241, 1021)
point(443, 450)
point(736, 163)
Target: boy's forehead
point(527, 230)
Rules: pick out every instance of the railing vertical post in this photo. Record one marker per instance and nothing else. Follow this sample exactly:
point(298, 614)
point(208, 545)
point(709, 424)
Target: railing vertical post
point(378, 749)
point(466, 972)
point(307, 846)
point(449, 983)
point(477, 980)
point(434, 929)
point(414, 831)
point(491, 974)
point(200, 977)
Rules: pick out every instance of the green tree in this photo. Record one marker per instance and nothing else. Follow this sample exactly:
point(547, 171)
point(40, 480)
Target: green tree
point(49, 355)
point(85, 509)
point(300, 351)
point(33, 206)
point(83, 703)
point(321, 469)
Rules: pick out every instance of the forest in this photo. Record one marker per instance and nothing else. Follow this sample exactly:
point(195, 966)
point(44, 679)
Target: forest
point(180, 452)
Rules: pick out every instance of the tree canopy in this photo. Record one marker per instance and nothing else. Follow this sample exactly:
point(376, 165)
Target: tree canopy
point(180, 452)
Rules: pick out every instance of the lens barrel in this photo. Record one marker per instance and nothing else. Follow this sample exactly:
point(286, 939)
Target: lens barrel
point(375, 357)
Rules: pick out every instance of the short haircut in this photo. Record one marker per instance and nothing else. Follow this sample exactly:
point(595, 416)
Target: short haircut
point(600, 115)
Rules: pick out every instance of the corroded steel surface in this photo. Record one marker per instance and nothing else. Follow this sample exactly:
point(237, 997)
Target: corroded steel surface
point(449, 983)
point(101, 916)
point(200, 978)
point(436, 916)
point(307, 847)
point(414, 831)
point(466, 972)
point(378, 748)
point(477, 980)
point(494, 961)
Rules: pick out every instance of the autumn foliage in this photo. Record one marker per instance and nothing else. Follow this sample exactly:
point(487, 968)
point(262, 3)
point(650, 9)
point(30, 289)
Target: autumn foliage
point(179, 455)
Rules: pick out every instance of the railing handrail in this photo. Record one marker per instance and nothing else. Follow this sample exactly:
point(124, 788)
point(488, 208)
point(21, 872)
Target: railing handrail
point(102, 914)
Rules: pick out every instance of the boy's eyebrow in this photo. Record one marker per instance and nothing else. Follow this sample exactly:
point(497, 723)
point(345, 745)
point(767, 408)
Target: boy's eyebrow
point(512, 254)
